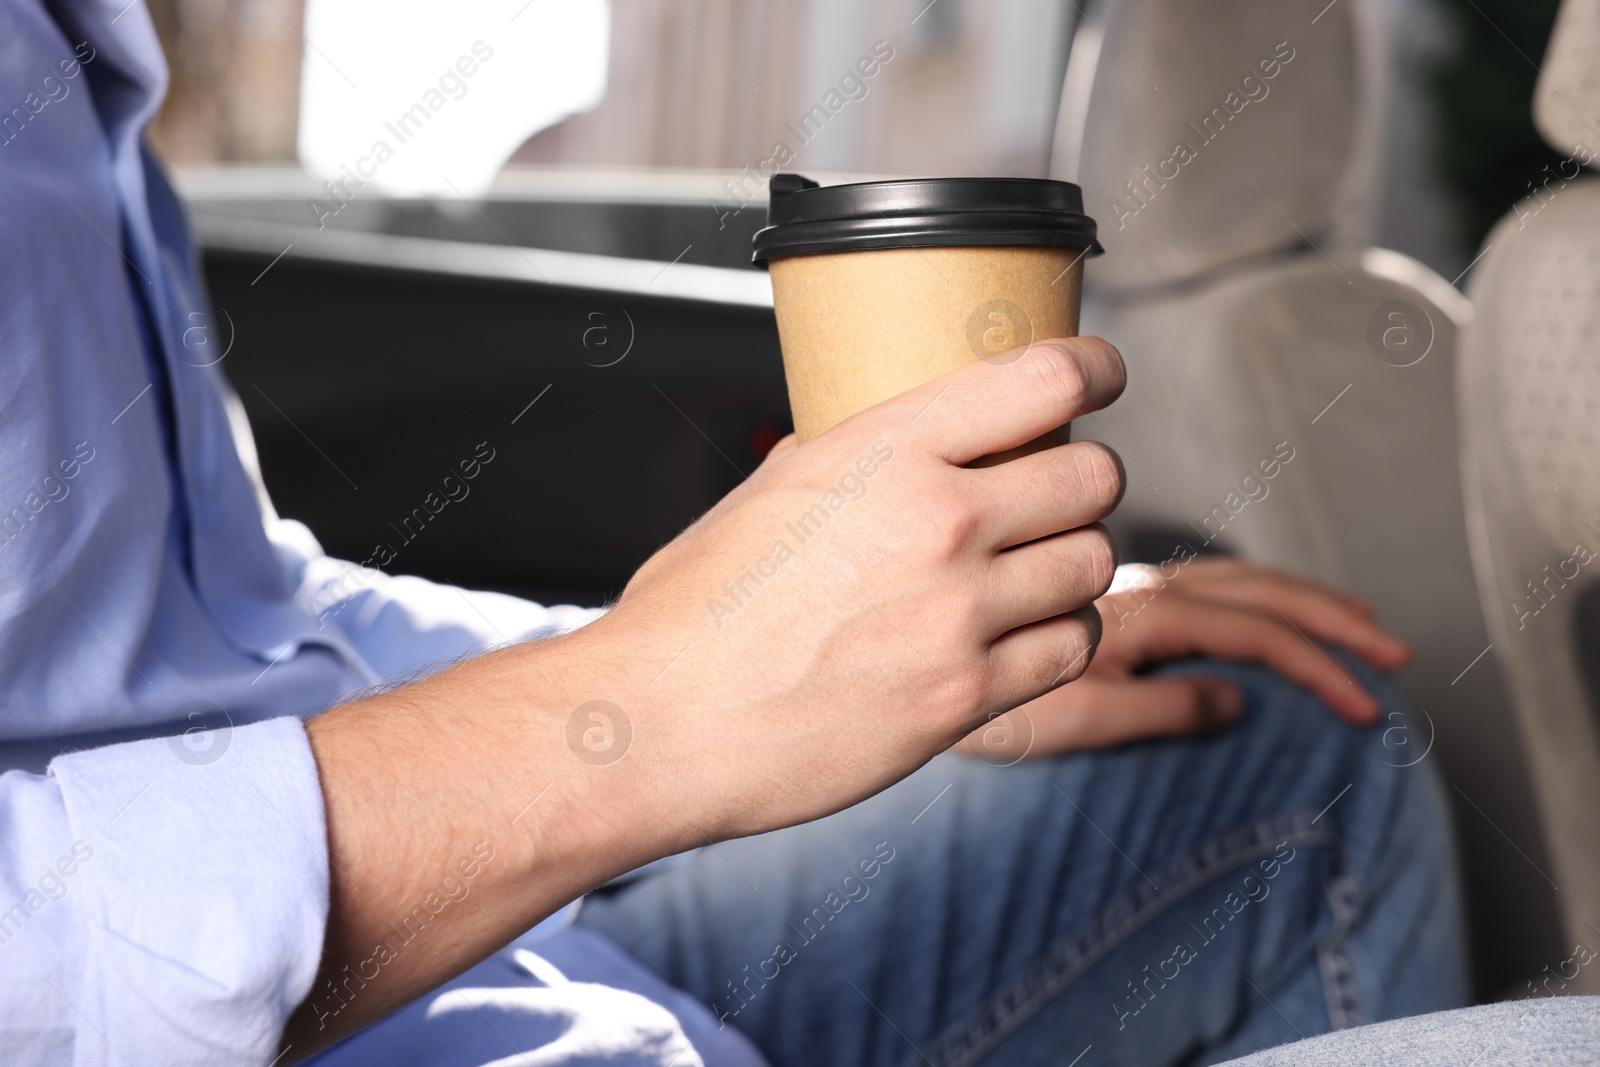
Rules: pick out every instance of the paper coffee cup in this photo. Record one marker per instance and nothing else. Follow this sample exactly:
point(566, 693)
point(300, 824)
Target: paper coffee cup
point(880, 287)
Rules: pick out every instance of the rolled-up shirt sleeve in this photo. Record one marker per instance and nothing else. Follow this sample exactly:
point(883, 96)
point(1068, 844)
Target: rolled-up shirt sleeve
point(165, 900)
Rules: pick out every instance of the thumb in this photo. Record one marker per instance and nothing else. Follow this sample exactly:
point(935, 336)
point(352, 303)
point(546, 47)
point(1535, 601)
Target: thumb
point(1118, 711)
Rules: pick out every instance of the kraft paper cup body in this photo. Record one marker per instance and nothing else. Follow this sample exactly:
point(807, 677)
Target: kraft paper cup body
point(859, 327)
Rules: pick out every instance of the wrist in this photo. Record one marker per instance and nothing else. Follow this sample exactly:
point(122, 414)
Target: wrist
point(461, 797)
point(603, 793)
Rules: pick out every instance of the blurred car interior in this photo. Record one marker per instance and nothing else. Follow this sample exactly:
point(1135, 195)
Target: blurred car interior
point(1437, 456)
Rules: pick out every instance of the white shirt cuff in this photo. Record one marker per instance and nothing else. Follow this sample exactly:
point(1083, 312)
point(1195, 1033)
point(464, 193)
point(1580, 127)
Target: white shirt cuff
point(207, 893)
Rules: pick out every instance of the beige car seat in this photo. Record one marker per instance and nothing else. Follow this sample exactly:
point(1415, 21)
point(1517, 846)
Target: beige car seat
point(1529, 413)
point(1228, 150)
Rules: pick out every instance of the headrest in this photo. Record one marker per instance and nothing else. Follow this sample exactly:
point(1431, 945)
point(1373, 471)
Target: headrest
point(1566, 104)
point(1206, 133)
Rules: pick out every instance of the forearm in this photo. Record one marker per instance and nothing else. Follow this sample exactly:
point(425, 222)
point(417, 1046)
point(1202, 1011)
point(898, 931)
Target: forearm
point(458, 816)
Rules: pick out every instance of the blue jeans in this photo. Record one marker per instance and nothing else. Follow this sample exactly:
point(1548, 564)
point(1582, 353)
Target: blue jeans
point(1170, 902)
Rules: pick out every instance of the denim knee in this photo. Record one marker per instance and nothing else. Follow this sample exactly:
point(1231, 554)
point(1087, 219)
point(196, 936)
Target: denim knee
point(1379, 785)
point(1379, 788)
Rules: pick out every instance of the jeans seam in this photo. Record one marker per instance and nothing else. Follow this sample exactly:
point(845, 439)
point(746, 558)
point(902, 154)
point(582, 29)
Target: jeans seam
point(1070, 957)
point(1341, 987)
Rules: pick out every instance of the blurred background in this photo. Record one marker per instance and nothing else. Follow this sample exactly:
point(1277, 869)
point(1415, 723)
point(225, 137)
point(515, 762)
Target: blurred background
point(643, 130)
point(973, 89)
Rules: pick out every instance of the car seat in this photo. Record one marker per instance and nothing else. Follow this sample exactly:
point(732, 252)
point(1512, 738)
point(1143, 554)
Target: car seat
point(1529, 412)
point(1229, 151)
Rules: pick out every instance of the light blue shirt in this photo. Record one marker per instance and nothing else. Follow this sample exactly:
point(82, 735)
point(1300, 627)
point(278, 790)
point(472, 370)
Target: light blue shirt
point(163, 899)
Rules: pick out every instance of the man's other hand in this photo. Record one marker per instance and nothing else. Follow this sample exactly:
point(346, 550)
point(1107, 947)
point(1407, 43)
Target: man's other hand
point(1221, 608)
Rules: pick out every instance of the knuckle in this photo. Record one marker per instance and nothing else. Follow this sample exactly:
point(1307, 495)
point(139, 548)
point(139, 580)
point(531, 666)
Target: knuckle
point(647, 571)
point(967, 621)
point(952, 523)
point(1103, 476)
point(1106, 355)
point(1099, 559)
point(1057, 372)
point(962, 689)
point(1081, 571)
point(650, 569)
point(1083, 638)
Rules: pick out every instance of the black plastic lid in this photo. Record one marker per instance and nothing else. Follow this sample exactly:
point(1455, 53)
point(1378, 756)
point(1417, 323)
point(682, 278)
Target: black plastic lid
point(806, 219)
